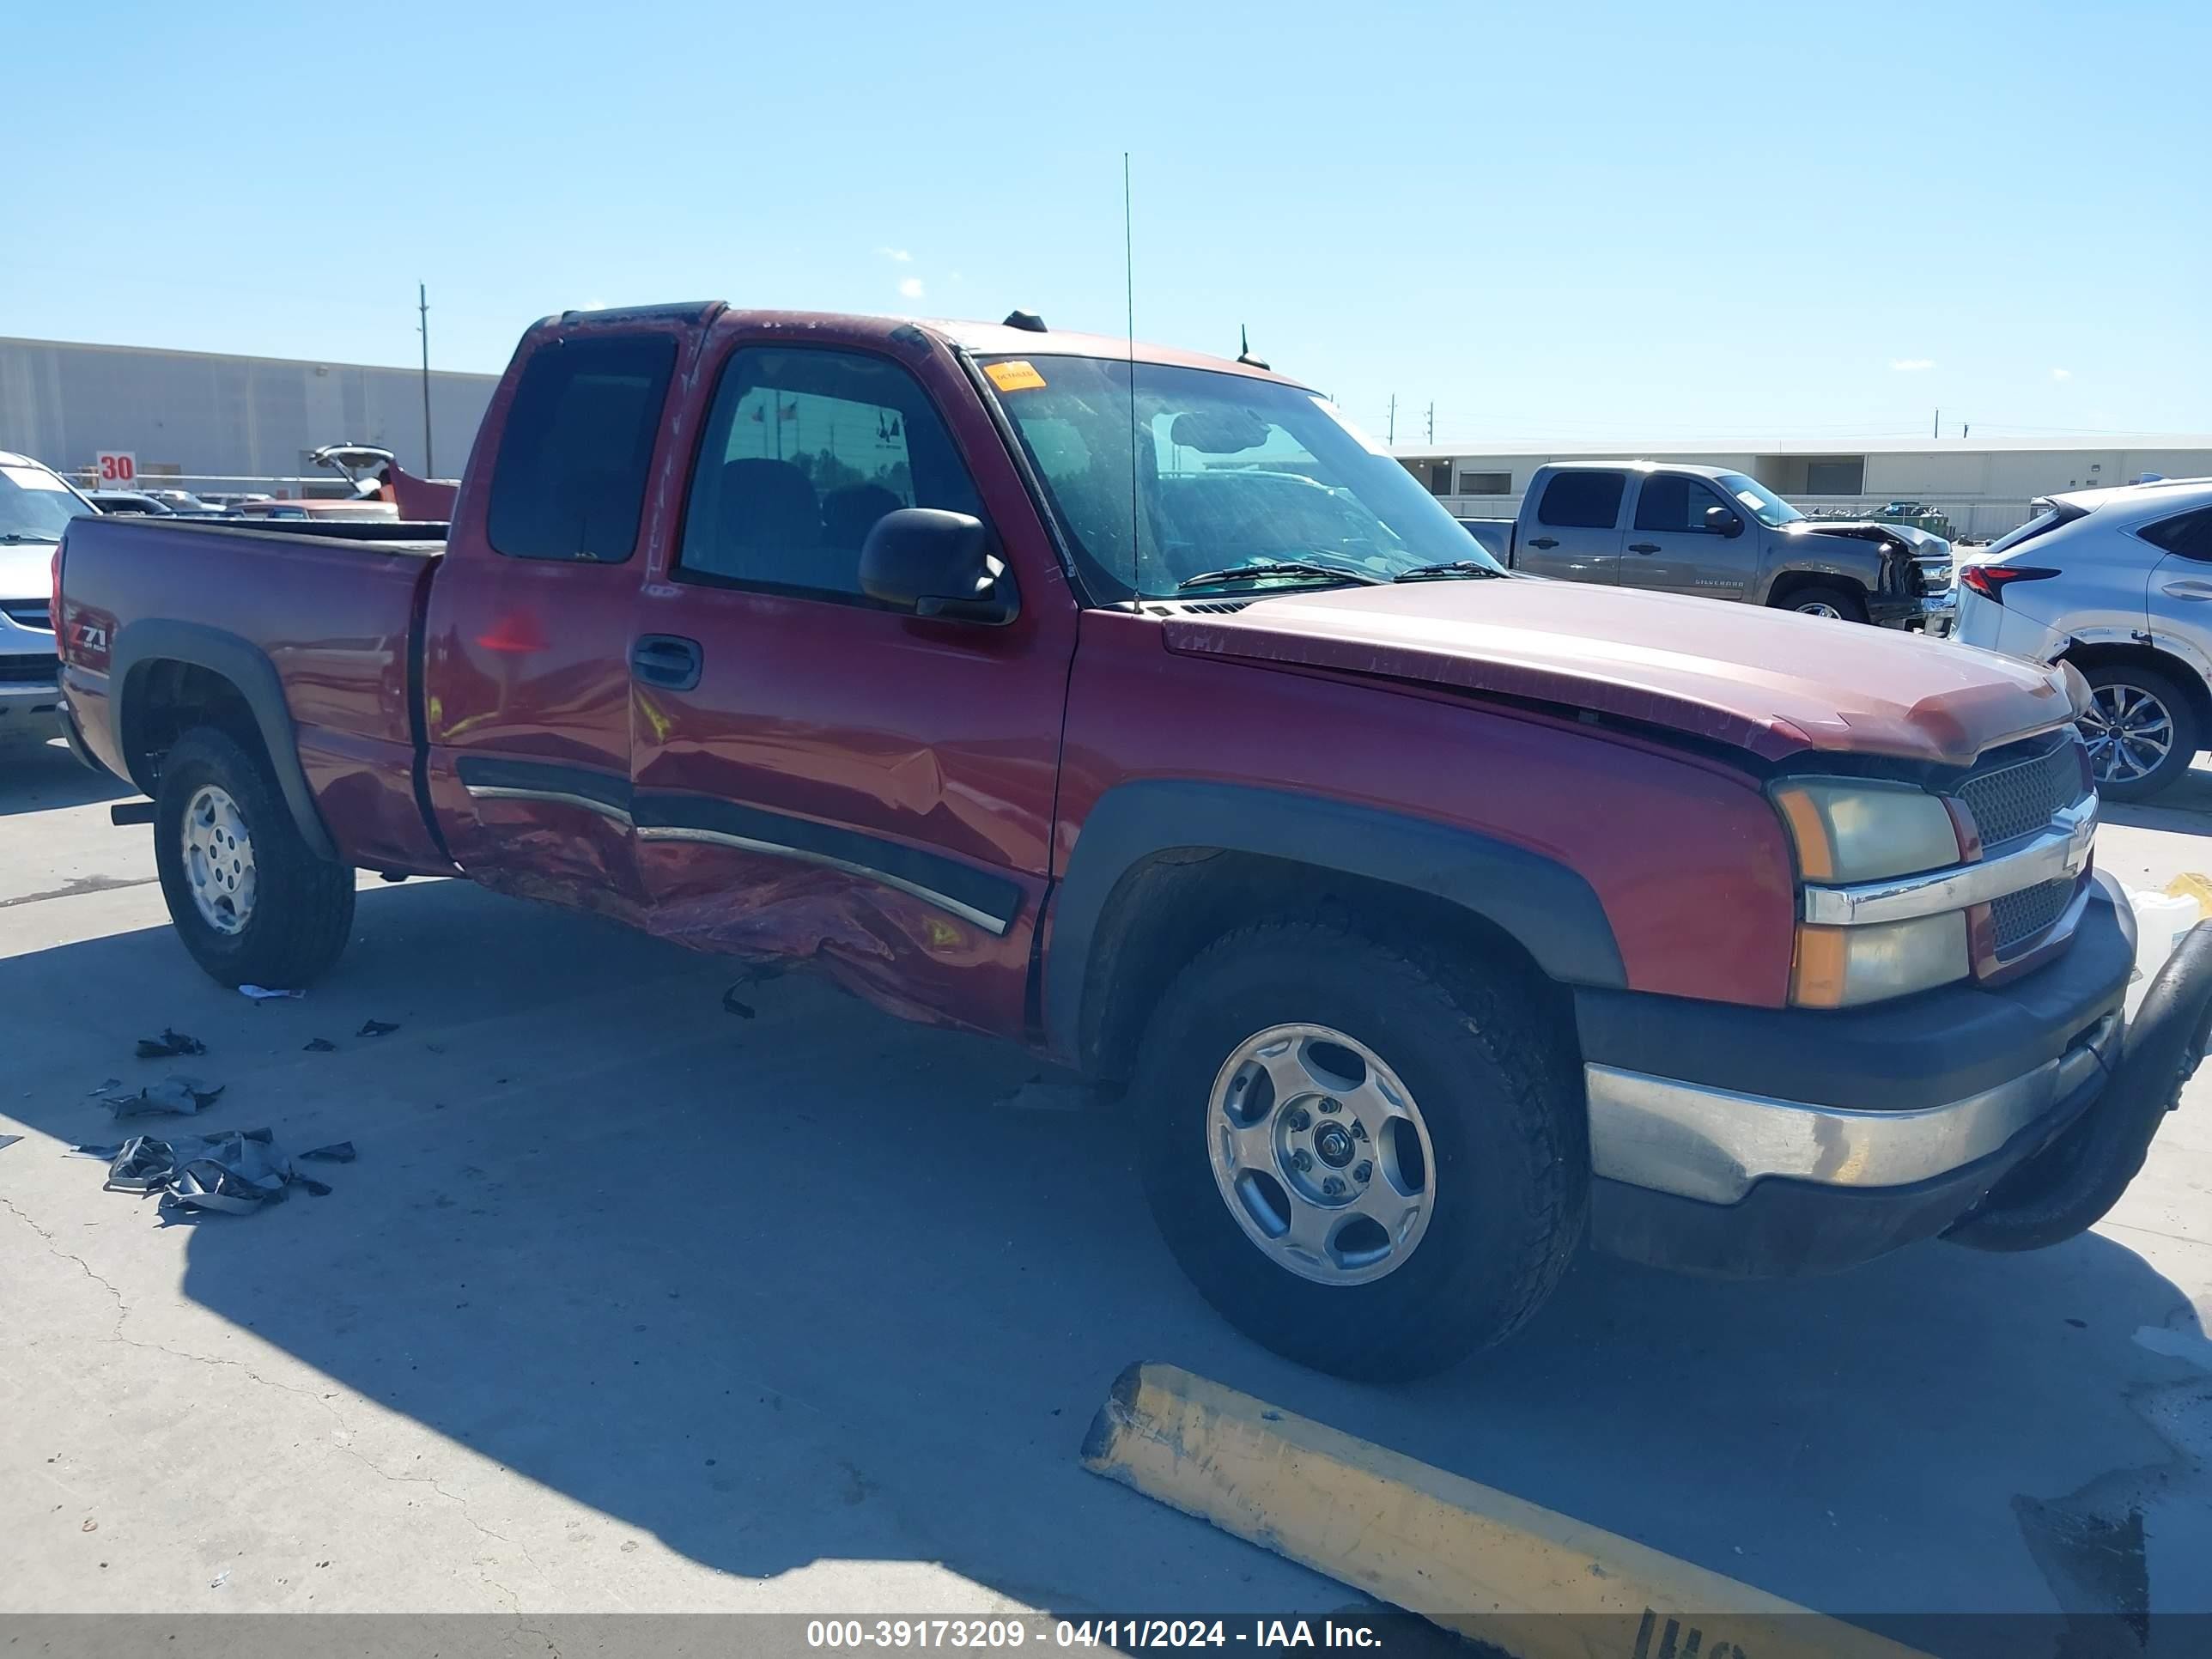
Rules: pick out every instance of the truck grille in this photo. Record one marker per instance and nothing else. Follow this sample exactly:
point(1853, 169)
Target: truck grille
point(27, 670)
point(2019, 917)
point(2020, 798)
point(27, 613)
point(1935, 576)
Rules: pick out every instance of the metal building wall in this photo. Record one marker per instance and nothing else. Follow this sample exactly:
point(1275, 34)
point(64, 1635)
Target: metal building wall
point(206, 414)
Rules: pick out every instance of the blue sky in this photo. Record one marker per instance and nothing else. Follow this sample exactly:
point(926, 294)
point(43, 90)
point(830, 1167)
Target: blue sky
point(1557, 223)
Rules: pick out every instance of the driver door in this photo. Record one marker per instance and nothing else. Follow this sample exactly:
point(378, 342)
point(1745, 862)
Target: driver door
point(1672, 549)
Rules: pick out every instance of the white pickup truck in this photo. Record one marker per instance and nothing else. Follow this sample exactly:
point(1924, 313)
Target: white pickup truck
point(1671, 528)
point(35, 506)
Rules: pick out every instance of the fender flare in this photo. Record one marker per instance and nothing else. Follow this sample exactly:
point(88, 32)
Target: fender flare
point(1548, 908)
point(247, 666)
point(1863, 570)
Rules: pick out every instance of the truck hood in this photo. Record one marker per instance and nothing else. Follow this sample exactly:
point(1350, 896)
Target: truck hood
point(25, 570)
point(1769, 682)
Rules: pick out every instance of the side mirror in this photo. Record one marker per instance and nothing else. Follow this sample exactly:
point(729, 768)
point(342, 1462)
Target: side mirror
point(936, 564)
point(1722, 521)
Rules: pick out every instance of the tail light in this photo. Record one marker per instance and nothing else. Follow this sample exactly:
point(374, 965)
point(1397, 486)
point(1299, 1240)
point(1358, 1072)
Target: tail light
point(54, 600)
point(1991, 580)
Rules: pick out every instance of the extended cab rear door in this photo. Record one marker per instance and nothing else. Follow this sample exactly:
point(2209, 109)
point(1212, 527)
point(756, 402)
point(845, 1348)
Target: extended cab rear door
point(1570, 526)
point(817, 775)
point(527, 640)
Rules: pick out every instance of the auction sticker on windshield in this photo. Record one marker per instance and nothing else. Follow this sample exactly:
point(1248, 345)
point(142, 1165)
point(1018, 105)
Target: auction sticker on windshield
point(1345, 421)
point(1016, 374)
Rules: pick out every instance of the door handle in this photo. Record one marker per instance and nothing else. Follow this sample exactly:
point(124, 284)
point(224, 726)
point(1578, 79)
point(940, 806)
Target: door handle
point(1643, 547)
point(1545, 541)
point(667, 660)
point(2189, 587)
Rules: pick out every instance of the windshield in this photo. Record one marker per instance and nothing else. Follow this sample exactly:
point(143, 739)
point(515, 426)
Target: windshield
point(1227, 471)
point(1763, 505)
point(35, 505)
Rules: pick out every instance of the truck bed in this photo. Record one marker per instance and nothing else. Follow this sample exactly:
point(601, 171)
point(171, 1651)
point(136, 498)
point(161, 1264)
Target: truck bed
point(331, 607)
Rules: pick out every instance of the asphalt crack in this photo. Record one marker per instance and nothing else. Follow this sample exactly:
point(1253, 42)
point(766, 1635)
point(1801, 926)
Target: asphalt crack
point(345, 1428)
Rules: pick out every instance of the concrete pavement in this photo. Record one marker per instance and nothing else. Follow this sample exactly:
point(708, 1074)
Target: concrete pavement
point(631, 1304)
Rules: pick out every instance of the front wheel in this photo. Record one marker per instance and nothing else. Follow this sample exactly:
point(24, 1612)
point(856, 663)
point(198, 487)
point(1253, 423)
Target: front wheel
point(1826, 600)
point(252, 902)
point(1372, 1165)
point(2141, 731)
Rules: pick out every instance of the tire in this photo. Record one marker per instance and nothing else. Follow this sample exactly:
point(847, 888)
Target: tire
point(1826, 599)
point(289, 912)
point(2123, 694)
point(1503, 1175)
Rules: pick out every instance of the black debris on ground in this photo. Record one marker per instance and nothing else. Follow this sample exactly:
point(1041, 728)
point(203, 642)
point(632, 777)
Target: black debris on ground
point(6, 1141)
point(175, 1093)
point(236, 1172)
point(169, 1044)
point(732, 1006)
point(338, 1152)
point(377, 1028)
point(318, 1046)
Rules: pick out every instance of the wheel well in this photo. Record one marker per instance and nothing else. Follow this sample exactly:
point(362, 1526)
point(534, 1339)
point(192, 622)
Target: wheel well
point(1170, 906)
point(2114, 652)
point(164, 699)
point(1794, 582)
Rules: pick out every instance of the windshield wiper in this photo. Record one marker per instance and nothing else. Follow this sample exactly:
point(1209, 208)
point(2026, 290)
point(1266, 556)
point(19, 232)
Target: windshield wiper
point(1279, 567)
point(13, 536)
point(1448, 568)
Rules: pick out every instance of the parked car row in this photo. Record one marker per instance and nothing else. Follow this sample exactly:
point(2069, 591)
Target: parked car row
point(1131, 706)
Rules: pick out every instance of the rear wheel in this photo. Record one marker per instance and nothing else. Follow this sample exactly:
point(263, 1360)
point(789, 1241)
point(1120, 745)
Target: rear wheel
point(253, 903)
point(1824, 599)
point(2141, 731)
point(1371, 1165)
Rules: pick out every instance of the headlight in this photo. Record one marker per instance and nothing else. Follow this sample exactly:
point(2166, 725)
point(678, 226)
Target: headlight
point(1839, 967)
point(1849, 830)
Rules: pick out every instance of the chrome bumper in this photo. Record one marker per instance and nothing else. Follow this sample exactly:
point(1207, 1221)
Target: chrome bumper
point(1712, 1145)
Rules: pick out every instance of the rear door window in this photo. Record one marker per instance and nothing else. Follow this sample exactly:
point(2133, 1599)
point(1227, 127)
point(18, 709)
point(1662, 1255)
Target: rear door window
point(1585, 501)
point(2189, 534)
point(569, 478)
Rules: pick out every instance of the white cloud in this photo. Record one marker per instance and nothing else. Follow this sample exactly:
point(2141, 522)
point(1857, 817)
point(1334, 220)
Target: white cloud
point(1912, 365)
point(593, 305)
point(2062, 374)
point(897, 256)
point(910, 287)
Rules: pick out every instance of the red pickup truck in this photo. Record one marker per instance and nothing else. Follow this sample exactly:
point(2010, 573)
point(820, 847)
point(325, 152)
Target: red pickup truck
point(1131, 705)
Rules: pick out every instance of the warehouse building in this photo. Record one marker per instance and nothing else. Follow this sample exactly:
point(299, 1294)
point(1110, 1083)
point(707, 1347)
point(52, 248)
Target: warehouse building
point(218, 421)
point(1983, 485)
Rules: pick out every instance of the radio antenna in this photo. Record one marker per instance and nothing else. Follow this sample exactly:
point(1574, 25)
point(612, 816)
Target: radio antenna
point(1129, 297)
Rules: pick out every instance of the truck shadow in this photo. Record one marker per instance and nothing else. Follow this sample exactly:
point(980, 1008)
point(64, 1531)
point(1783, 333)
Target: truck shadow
point(817, 1285)
point(35, 777)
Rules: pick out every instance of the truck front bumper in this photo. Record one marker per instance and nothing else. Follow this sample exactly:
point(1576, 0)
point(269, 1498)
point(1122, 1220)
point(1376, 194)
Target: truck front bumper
point(1755, 1142)
point(1935, 618)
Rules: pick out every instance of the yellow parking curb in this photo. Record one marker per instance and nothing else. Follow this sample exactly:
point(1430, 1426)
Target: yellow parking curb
point(2190, 886)
point(1458, 1553)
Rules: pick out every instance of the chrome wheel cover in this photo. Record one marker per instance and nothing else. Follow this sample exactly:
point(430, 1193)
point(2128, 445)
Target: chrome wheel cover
point(1321, 1154)
point(219, 861)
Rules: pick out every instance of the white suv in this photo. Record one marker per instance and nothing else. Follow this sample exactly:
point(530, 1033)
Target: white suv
point(2117, 582)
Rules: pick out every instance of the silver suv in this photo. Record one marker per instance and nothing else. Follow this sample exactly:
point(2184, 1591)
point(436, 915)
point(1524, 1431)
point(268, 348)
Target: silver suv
point(2115, 581)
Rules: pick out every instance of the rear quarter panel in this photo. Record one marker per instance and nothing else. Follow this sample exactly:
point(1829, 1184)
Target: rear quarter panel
point(333, 618)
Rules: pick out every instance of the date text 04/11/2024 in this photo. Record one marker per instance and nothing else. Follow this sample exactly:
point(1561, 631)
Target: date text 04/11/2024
point(1102, 1633)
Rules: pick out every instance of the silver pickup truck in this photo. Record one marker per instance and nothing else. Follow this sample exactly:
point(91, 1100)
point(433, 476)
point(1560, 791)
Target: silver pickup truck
point(1701, 529)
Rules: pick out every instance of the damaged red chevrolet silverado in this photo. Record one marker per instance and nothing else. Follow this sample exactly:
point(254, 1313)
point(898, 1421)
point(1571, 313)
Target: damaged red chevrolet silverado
point(1132, 705)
